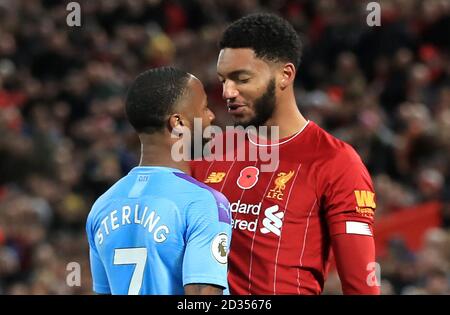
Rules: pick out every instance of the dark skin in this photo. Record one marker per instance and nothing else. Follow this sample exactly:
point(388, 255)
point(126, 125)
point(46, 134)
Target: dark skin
point(245, 78)
point(202, 289)
point(156, 149)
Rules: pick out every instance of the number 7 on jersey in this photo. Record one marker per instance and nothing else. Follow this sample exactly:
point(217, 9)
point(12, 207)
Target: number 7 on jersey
point(132, 256)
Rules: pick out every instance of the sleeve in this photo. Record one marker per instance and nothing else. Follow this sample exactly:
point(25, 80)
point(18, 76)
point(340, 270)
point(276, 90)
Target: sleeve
point(349, 203)
point(100, 282)
point(208, 237)
point(355, 263)
point(348, 196)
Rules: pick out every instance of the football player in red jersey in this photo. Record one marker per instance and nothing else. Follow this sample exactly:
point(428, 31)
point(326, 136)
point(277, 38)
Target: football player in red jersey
point(319, 197)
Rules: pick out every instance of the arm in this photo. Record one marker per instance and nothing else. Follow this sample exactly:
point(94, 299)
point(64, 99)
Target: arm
point(207, 242)
point(202, 289)
point(100, 281)
point(350, 208)
point(355, 255)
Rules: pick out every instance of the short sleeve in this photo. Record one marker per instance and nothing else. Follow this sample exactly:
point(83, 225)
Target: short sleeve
point(348, 195)
point(208, 237)
point(99, 278)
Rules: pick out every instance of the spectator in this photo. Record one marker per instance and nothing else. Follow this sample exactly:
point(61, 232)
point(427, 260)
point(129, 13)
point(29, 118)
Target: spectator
point(64, 138)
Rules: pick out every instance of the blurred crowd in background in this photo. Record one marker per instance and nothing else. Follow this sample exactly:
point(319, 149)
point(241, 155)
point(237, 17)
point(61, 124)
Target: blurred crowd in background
point(64, 138)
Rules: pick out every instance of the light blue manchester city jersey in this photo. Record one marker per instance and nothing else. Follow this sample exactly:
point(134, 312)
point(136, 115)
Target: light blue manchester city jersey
point(156, 230)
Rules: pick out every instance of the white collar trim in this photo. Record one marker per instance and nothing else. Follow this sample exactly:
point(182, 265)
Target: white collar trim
point(280, 143)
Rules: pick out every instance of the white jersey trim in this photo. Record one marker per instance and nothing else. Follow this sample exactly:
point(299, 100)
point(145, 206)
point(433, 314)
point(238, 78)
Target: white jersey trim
point(280, 143)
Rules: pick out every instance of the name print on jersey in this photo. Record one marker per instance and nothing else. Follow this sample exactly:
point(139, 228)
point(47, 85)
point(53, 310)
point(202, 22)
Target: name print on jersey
point(148, 220)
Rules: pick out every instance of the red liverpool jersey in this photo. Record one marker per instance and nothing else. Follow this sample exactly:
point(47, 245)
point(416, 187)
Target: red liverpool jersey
point(285, 222)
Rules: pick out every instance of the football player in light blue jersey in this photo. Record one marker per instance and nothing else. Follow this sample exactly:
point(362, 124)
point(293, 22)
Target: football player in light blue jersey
point(158, 230)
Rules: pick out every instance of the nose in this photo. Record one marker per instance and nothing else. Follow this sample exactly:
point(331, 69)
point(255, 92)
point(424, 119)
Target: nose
point(229, 90)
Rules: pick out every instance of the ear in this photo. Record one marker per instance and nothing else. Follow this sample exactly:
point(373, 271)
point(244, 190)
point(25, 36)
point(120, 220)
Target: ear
point(287, 75)
point(176, 124)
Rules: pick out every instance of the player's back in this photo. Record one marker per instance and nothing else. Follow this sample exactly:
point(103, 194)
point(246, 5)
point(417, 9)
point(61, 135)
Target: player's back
point(139, 229)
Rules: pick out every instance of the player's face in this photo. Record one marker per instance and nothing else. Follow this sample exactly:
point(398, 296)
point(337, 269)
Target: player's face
point(196, 107)
point(248, 86)
point(198, 104)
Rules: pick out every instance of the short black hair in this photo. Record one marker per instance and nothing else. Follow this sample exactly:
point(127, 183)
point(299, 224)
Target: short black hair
point(270, 36)
point(152, 96)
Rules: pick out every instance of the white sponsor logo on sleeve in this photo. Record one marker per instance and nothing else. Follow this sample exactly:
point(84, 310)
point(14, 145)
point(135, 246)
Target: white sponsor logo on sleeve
point(361, 228)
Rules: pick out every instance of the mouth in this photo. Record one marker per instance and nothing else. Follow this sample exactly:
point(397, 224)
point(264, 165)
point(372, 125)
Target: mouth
point(234, 108)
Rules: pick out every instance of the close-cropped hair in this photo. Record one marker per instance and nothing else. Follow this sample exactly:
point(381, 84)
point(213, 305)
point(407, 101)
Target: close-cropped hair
point(153, 96)
point(270, 36)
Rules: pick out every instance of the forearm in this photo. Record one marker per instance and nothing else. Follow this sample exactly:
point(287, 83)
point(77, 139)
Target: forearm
point(202, 289)
point(355, 262)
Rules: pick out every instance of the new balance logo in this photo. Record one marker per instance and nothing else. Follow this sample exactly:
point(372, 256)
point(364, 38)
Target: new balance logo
point(215, 177)
point(272, 222)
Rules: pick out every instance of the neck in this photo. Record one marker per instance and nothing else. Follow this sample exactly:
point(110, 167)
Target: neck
point(156, 151)
point(287, 118)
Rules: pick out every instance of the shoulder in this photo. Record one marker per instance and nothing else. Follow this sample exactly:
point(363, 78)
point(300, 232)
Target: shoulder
point(113, 193)
point(332, 149)
point(100, 203)
point(334, 159)
point(95, 214)
point(203, 191)
point(205, 197)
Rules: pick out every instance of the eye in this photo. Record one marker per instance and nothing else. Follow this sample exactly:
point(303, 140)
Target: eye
point(244, 80)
